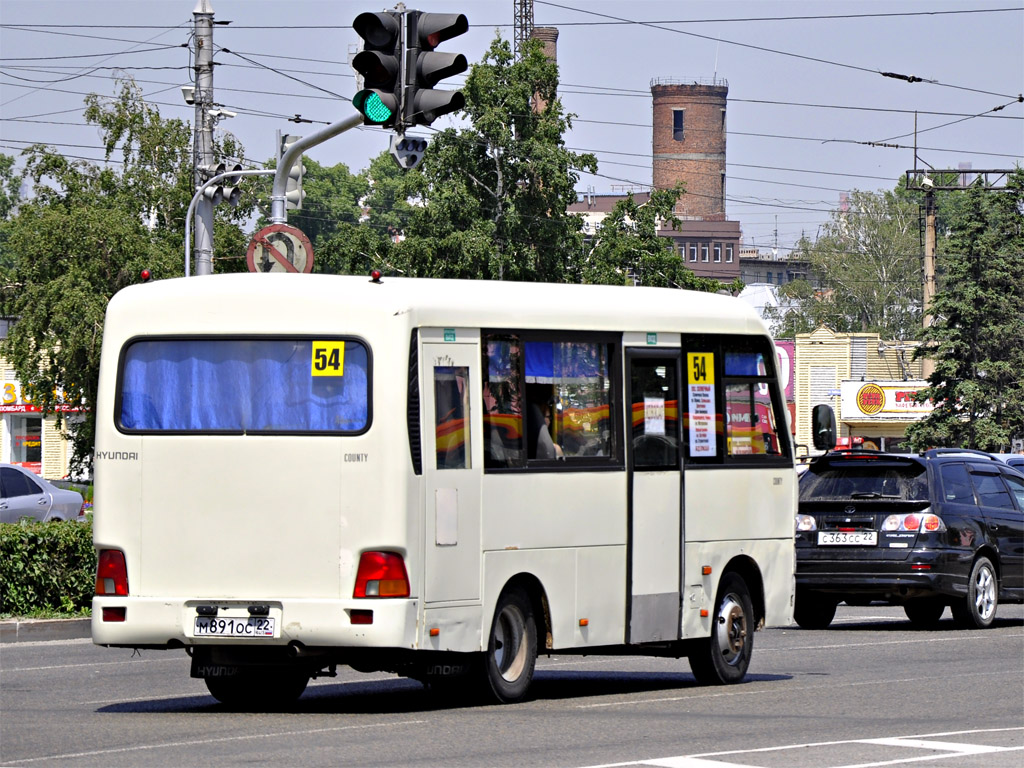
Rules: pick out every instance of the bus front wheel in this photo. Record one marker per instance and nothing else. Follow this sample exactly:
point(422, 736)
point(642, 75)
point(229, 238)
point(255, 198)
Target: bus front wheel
point(511, 647)
point(725, 656)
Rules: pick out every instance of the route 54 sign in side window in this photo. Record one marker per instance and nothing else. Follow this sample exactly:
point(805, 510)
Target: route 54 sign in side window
point(701, 399)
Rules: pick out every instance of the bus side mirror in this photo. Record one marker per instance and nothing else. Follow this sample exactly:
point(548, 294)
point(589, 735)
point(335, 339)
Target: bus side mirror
point(823, 425)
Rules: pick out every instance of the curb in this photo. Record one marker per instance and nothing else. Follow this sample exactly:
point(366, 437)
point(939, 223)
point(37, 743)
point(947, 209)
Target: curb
point(40, 630)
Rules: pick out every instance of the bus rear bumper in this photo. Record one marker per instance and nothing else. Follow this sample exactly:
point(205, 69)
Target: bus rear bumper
point(169, 622)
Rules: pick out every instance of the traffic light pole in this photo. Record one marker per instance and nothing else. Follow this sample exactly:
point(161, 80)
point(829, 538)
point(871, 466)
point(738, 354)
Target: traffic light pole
point(200, 196)
point(278, 210)
point(202, 154)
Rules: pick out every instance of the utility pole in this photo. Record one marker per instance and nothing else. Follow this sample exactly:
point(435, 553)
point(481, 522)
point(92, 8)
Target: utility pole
point(202, 153)
point(928, 363)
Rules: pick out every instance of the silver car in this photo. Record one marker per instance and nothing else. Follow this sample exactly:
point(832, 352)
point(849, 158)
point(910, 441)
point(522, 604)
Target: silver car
point(25, 494)
point(1015, 460)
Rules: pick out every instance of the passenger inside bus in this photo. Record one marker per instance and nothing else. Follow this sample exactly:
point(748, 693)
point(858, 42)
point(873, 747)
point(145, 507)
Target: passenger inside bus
point(541, 445)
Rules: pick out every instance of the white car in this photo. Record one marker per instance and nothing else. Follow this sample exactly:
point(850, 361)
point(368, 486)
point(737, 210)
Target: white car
point(25, 494)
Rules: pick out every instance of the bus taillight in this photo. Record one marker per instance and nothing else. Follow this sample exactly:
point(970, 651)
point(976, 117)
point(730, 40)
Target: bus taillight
point(111, 573)
point(381, 574)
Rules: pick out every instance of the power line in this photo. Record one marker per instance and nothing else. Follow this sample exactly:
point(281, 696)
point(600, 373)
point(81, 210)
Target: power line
point(806, 17)
point(764, 49)
point(284, 74)
point(92, 55)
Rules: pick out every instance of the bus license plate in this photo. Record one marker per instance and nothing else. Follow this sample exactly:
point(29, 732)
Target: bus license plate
point(250, 626)
point(848, 538)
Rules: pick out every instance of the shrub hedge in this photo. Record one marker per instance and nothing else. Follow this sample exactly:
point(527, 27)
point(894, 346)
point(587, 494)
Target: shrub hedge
point(46, 567)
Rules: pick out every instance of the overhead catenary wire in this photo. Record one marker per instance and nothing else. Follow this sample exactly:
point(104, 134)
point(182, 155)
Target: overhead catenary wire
point(765, 49)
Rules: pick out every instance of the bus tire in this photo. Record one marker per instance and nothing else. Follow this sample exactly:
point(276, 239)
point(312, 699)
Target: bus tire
point(724, 657)
point(258, 690)
point(511, 648)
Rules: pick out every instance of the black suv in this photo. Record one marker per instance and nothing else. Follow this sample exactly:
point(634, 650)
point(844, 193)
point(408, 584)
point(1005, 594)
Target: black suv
point(945, 527)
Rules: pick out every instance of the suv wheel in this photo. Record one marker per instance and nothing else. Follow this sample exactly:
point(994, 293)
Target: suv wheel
point(814, 611)
point(978, 609)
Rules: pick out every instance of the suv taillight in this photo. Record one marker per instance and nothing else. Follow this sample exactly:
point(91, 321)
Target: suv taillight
point(915, 521)
point(111, 573)
point(381, 574)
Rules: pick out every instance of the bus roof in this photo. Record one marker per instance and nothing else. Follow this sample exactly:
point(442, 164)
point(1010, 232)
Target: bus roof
point(189, 305)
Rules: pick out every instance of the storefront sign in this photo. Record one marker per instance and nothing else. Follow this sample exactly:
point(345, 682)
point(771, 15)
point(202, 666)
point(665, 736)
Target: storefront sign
point(13, 401)
point(883, 400)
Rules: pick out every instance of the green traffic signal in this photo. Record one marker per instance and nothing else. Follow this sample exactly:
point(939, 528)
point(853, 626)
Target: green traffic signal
point(380, 64)
point(377, 108)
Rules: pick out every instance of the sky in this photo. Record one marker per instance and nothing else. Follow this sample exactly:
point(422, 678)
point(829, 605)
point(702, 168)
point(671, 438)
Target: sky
point(807, 110)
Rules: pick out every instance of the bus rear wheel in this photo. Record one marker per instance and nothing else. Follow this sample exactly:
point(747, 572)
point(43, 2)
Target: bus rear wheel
point(725, 656)
point(511, 648)
point(258, 689)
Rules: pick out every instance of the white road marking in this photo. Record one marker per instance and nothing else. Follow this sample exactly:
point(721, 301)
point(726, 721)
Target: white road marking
point(702, 693)
point(915, 741)
point(200, 691)
point(221, 740)
point(137, 660)
point(952, 746)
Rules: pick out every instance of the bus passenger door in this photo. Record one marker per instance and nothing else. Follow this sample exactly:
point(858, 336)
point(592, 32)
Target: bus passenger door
point(655, 535)
point(452, 465)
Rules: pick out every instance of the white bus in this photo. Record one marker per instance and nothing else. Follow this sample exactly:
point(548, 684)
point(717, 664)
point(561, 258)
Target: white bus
point(436, 478)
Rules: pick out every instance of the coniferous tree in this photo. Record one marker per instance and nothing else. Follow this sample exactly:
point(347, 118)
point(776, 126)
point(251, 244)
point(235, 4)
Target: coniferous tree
point(977, 338)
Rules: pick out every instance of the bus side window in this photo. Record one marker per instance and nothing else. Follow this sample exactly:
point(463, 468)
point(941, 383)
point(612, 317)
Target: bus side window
point(451, 412)
point(502, 409)
point(751, 426)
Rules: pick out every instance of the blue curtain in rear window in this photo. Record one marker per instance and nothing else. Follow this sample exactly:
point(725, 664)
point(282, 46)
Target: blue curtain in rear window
point(744, 364)
point(241, 385)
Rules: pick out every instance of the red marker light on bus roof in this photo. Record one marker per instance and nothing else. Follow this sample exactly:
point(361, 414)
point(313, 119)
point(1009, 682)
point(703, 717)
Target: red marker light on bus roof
point(145, 275)
point(375, 276)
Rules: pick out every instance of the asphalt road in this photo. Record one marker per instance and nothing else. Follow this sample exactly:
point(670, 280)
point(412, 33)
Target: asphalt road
point(869, 691)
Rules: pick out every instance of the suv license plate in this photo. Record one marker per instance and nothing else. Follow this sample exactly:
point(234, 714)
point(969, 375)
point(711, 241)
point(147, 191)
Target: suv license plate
point(250, 626)
point(848, 538)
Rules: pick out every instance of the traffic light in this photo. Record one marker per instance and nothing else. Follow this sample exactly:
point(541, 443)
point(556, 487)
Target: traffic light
point(426, 67)
point(407, 151)
point(380, 64)
point(225, 190)
point(293, 192)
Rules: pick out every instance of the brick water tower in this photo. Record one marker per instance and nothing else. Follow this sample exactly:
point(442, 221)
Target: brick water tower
point(689, 142)
point(688, 146)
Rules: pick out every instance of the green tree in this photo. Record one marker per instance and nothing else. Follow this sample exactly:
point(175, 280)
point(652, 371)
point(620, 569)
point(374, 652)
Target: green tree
point(490, 201)
point(86, 232)
point(978, 386)
point(868, 262)
point(627, 248)
point(10, 186)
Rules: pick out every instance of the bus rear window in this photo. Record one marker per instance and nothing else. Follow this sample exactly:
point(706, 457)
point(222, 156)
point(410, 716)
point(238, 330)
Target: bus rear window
point(236, 386)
